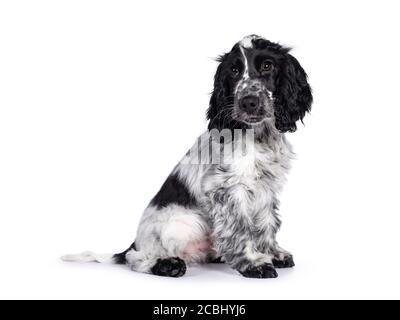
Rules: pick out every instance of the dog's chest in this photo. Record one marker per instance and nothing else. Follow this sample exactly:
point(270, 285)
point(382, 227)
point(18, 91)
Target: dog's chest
point(253, 176)
point(261, 167)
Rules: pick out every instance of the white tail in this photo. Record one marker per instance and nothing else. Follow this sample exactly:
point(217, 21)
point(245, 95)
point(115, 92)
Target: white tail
point(88, 256)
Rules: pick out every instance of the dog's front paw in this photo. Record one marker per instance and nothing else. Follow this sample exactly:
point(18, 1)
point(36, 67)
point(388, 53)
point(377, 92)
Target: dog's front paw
point(266, 270)
point(286, 262)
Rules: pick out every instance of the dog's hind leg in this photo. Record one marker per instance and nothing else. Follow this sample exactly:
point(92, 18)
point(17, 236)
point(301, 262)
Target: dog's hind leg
point(169, 238)
point(149, 263)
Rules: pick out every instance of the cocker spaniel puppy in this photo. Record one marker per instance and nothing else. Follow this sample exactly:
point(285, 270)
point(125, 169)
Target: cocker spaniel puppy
point(220, 203)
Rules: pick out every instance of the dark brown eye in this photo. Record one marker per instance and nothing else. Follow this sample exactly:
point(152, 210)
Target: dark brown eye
point(266, 66)
point(235, 70)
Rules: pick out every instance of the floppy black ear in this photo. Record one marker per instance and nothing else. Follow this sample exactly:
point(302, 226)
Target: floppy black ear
point(293, 95)
point(217, 98)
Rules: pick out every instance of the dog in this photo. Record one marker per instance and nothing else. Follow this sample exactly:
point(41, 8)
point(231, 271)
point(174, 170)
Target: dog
point(222, 205)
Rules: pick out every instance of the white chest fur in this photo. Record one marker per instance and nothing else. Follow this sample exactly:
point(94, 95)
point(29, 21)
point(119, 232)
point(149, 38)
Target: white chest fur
point(253, 178)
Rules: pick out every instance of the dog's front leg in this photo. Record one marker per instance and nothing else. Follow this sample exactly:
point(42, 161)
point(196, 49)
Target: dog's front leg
point(234, 240)
point(282, 258)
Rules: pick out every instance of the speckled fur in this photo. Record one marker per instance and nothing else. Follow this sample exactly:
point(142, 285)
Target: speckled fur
point(236, 212)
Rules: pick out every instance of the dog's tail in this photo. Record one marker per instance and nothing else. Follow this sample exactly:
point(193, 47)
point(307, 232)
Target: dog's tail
point(88, 256)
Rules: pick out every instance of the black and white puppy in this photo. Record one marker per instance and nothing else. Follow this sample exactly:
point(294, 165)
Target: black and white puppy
point(222, 205)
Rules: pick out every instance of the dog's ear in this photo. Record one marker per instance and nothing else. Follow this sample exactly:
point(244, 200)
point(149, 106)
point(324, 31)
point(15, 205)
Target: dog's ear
point(293, 95)
point(217, 97)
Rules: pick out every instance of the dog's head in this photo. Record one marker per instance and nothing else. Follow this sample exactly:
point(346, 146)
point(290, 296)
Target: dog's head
point(257, 82)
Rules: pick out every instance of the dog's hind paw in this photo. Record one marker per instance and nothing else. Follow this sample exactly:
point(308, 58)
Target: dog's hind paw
point(170, 267)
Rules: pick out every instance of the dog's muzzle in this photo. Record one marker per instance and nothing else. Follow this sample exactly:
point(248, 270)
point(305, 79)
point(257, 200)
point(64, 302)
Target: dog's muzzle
point(253, 101)
point(249, 104)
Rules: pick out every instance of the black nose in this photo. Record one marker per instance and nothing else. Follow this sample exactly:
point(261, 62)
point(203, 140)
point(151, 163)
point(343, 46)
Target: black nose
point(249, 103)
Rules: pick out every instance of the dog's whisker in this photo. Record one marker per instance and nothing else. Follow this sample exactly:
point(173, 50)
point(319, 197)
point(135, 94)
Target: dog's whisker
point(224, 109)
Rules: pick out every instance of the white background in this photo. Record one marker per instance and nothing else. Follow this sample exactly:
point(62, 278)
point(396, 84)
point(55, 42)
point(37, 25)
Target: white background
point(100, 99)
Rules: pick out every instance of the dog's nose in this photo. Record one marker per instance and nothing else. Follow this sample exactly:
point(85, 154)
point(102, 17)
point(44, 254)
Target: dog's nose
point(249, 103)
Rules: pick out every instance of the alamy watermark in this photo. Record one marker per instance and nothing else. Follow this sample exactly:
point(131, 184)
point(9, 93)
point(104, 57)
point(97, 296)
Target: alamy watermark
point(221, 147)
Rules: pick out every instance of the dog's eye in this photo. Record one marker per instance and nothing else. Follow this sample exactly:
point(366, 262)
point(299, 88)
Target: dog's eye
point(266, 66)
point(235, 70)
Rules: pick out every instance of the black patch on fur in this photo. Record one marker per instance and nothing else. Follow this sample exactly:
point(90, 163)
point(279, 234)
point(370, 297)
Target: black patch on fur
point(293, 95)
point(171, 267)
point(287, 262)
point(173, 191)
point(263, 271)
point(120, 258)
point(222, 97)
